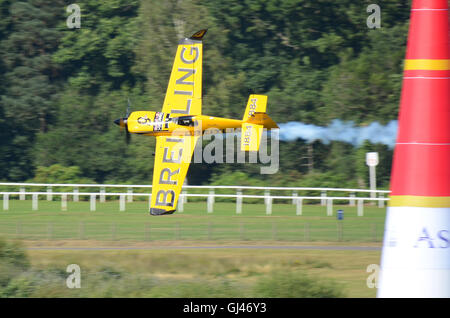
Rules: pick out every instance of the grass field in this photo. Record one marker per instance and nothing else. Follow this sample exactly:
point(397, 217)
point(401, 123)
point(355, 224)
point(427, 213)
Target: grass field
point(202, 273)
point(161, 269)
point(135, 224)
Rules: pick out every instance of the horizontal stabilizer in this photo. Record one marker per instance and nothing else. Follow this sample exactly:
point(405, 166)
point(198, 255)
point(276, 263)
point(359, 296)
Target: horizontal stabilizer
point(262, 119)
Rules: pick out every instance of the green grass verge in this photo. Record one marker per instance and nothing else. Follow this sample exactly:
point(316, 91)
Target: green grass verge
point(195, 273)
point(173, 272)
point(194, 223)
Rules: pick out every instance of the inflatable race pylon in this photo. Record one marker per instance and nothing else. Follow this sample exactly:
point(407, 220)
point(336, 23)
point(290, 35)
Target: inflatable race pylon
point(415, 259)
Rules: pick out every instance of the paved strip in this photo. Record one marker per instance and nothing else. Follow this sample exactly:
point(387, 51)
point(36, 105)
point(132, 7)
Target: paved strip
point(311, 247)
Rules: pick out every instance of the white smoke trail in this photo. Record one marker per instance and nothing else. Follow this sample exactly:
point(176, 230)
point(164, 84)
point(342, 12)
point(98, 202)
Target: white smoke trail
point(341, 131)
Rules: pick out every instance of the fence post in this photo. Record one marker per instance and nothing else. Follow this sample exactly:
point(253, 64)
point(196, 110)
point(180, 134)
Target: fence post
point(22, 193)
point(209, 231)
point(49, 193)
point(18, 229)
point(274, 231)
point(210, 201)
point(92, 201)
point(241, 230)
point(266, 197)
point(177, 231)
point(306, 232)
point(180, 207)
point(49, 231)
point(381, 202)
point(75, 194)
point(360, 207)
point(339, 231)
point(374, 231)
point(323, 195)
point(238, 201)
point(130, 195)
point(5, 201)
point(147, 232)
point(184, 192)
point(81, 230)
point(102, 195)
point(64, 202)
point(294, 197)
point(299, 206)
point(113, 231)
point(122, 203)
point(351, 201)
point(212, 191)
point(34, 202)
point(329, 207)
point(268, 206)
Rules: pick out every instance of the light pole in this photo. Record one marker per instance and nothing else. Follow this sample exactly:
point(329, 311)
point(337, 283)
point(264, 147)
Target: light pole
point(372, 162)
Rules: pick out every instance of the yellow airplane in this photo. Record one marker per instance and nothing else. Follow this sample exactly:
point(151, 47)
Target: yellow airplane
point(180, 123)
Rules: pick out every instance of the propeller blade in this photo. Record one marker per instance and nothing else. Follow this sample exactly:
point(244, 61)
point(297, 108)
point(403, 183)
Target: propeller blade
point(128, 108)
point(122, 123)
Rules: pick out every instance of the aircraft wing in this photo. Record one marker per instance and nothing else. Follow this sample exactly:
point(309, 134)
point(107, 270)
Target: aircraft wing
point(172, 158)
point(184, 92)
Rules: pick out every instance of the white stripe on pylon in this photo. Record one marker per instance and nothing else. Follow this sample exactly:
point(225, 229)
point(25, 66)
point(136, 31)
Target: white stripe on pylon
point(415, 260)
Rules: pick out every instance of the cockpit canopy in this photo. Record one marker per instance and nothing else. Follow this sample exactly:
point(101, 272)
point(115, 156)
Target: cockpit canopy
point(184, 121)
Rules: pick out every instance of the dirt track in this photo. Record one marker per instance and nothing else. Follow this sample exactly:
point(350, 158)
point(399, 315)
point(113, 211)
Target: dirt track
point(122, 245)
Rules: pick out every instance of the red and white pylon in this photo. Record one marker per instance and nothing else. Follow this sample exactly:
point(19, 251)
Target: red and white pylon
point(415, 260)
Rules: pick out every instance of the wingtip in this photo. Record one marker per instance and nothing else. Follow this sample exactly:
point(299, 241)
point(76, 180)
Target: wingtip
point(198, 35)
point(155, 211)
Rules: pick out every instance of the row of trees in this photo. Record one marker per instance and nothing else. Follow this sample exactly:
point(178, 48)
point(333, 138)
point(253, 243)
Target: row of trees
point(61, 88)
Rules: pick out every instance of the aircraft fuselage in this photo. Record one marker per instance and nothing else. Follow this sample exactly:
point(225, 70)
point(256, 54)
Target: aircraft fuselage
point(162, 124)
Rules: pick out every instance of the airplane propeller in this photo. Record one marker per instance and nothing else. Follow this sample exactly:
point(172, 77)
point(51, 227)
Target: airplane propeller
point(122, 123)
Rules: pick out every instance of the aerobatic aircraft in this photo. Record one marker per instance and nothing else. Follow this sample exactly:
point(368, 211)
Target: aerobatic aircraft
point(180, 123)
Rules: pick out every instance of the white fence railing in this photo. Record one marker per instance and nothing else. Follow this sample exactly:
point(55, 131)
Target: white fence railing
point(211, 195)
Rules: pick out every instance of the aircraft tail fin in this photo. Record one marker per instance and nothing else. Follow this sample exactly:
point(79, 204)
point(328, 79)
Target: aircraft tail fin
point(251, 136)
point(255, 112)
point(255, 120)
point(256, 103)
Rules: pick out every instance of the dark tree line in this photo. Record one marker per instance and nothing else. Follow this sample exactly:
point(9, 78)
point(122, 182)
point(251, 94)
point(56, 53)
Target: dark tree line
point(317, 60)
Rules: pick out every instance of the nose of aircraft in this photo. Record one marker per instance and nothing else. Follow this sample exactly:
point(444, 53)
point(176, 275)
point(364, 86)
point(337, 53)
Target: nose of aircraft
point(121, 122)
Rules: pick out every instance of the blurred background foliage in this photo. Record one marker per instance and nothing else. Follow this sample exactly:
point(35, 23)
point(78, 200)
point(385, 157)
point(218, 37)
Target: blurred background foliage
point(61, 89)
